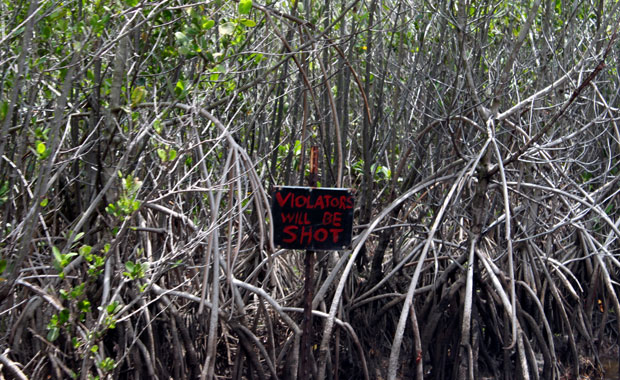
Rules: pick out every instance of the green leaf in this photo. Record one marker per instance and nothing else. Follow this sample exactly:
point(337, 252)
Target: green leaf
point(132, 3)
point(181, 37)
point(41, 148)
point(129, 265)
point(608, 211)
point(162, 154)
point(191, 32)
point(67, 256)
point(44, 202)
point(99, 261)
point(41, 134)
point(2, 266)
point(113, 307)
point(172, 154)
point(208, 24)
point(247, 22)
point(85, 250)
point(84, 306)
point(46, 32)
point(63, 316)
point(111, 209)
point(53, 334)
point(110, 322)
point(226, 28)
point(137, 95)
point(56, 253)
point(107, 364)
point(179, 89)
point(78, 237)
point(245, 6)
point(4, 109)
point(78, 291)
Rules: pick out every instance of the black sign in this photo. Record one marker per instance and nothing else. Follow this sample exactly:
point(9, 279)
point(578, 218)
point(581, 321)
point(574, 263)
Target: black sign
point(312, 218)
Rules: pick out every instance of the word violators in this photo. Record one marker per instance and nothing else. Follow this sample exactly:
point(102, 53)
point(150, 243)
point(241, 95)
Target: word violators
point(312, 218)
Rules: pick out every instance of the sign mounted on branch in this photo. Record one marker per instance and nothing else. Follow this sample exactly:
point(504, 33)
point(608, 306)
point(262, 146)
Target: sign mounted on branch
point(312, 218)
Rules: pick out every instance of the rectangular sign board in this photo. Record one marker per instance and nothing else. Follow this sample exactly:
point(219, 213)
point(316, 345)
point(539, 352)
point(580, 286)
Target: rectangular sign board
point(312, 218)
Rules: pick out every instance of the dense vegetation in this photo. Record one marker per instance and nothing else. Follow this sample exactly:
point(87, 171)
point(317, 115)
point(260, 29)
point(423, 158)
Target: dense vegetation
point(139, 142)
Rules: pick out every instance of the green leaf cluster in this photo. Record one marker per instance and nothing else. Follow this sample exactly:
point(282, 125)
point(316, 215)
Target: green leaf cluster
point(95, 262)
point(127, 203)
point(61, 260)
point(166, 154)
point(135, 270)
point(56, 323)
point(194, 38)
